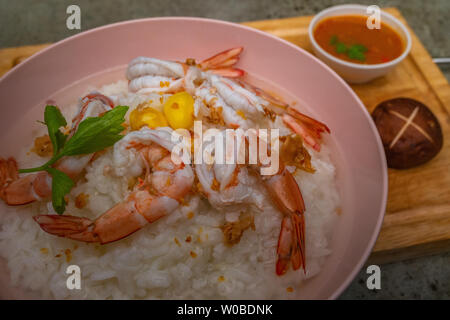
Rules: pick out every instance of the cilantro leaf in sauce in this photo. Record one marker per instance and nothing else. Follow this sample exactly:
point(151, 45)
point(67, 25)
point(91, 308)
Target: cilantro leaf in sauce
point(354, 51)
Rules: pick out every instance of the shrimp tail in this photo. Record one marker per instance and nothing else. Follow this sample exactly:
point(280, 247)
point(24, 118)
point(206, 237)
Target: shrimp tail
point(298, 257)
point(310, 129)
point(291, 242)
point(222, 59)
point(223, 63)
point(115, 224)
point(71, 227)
point(229, 72)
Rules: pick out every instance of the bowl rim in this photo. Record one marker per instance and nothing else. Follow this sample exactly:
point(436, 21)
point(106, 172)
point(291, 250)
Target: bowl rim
point(320, 16)
point(384, 188)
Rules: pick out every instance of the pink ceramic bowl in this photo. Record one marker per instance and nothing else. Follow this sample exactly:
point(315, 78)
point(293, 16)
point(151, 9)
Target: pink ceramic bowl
point(71, 67)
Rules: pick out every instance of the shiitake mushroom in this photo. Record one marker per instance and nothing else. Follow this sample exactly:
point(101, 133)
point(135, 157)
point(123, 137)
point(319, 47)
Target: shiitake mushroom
point(410, 132)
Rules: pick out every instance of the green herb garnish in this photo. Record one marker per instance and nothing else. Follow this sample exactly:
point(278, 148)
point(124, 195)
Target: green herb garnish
point(354, 51)
point(61, 185)
point(54, 120)
point(93, 134)
point(341, 48)
point(334, 40)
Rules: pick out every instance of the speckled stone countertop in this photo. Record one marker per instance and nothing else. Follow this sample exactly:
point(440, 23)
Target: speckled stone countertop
point(24, 22)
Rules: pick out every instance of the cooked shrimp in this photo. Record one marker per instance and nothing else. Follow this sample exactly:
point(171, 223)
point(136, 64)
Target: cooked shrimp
point(288, 198)
point(308, 128)
point(224, 184)
point(227, 185)
point(209, 81)
point(237, 103)
point(161, 192)
point(217, 87)
point(155, 75)
point(37, 186)
point(221, 98)
point(223, 63)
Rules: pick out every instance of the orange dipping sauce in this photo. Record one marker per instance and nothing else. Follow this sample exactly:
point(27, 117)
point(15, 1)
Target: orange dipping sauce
point(348, 38)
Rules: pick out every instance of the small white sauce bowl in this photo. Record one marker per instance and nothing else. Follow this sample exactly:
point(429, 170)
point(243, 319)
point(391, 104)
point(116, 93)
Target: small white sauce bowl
point(355, 72)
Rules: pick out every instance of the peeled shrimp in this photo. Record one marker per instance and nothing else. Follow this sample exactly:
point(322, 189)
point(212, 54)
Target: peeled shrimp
point(155, 75)
point(162, 190)
point(38, 186)
point(216, 86)
point(226, 185)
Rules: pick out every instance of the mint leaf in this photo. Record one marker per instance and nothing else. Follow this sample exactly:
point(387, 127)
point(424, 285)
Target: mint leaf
point(55, 120)
point(97, 133)
point(61, 185)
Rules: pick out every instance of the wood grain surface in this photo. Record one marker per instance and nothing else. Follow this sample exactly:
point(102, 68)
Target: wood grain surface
point(417, 220)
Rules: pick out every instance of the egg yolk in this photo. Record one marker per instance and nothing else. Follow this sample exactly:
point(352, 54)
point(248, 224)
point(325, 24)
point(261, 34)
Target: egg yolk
point(147, 117)
point(179, 110)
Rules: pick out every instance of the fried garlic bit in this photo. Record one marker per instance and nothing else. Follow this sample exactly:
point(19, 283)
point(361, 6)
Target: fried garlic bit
point(43, 146)
point(132, 182)
point(81, 200)
point(270, 114)
point(232, 231)
point(197, 187)
point(68, 254)
point(190, 62)
point(215, 185)
point(293, 153)
point(215, 116)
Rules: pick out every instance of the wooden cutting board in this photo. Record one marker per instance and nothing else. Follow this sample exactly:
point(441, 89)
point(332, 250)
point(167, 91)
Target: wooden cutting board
point(417, 218)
